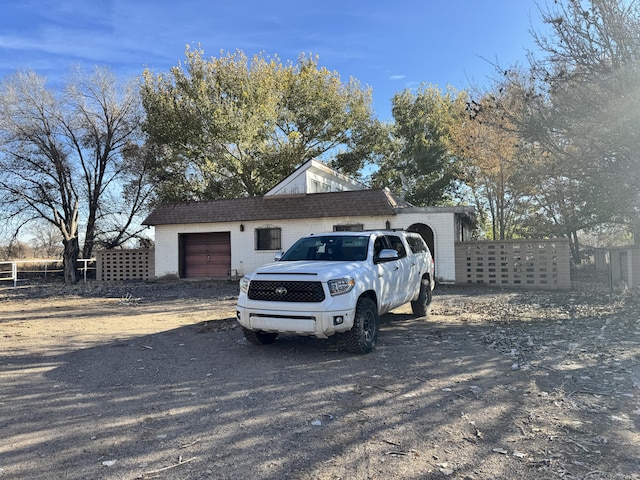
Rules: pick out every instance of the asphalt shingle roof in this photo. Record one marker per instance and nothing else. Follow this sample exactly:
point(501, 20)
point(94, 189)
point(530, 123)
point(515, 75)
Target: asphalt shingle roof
point(373, 202)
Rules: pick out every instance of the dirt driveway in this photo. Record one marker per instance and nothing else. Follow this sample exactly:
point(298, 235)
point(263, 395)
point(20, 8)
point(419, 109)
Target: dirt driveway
point(156, 381)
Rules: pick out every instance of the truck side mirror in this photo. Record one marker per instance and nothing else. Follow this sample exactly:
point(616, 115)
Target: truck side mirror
point(278, 256)
point(388, 254)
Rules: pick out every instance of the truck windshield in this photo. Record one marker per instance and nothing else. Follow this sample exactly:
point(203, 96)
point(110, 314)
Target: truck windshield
point(329, 247)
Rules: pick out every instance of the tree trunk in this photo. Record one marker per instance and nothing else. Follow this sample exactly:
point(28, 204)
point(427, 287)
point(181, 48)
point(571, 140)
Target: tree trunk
point(69, 228)
point(574, 247)
point(70, 260)
point(90, 233)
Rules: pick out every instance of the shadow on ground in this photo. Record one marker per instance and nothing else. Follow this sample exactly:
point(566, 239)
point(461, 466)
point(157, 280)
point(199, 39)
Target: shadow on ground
point(199, 402)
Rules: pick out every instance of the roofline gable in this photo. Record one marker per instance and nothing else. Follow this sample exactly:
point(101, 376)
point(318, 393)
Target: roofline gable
point(310, 165)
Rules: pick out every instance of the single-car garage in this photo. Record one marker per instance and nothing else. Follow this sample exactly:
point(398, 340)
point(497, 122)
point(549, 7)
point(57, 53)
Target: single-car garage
point(205, 255)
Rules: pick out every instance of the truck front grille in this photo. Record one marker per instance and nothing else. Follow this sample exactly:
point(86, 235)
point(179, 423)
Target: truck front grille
point(286, 291)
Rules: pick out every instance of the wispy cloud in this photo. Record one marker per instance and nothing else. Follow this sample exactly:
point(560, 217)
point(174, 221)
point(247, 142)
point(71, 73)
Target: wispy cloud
point(369, 44)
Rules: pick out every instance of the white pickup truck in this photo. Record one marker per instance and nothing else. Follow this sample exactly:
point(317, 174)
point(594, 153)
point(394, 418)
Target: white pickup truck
point(337, 282)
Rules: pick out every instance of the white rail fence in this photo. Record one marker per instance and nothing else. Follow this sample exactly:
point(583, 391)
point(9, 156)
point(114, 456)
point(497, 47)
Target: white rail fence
point(9, 270)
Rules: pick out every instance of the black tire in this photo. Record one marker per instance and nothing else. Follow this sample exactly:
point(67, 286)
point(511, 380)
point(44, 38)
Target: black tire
point(364, 333)
point(259, 338)
point(422, 305)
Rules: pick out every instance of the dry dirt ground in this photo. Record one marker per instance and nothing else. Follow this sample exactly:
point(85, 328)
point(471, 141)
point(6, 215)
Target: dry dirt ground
point(155, 380)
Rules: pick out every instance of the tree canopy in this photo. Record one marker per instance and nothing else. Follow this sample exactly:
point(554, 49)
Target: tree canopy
point(492, 158)
point(230, 126)
point(63, 159)
point(553, 150)
point(586, 116)
point(419, 161)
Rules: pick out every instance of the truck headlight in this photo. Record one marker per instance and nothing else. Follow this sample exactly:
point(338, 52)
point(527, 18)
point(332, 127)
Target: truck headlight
point(244, 284)
point(341, 285)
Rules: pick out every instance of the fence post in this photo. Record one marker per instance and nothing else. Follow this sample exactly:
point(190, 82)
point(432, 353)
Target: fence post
point(14, 273)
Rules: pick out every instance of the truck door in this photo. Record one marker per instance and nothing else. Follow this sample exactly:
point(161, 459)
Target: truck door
point(385, 286)
point(403, 270)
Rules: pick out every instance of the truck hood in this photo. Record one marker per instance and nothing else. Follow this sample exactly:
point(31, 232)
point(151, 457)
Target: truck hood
point(310, 270)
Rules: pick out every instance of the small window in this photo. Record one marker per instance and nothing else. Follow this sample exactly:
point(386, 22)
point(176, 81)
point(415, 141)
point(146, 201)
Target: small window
point(416, 243)
point(356, 227)
point(397, 245)
point(268, 238)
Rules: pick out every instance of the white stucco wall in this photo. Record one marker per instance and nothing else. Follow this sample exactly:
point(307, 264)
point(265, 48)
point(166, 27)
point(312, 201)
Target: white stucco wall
point(443, 226)
point(244, 257)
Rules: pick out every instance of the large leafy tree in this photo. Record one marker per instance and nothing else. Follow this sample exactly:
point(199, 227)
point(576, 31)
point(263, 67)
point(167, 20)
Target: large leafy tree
point(229, 126)
point(559, 203)
point(63, 159)
point(420, 163)
point(493, 154)
point(587, 115)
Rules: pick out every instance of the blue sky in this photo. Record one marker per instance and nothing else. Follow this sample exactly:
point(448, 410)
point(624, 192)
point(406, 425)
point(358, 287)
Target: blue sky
point(387, 45)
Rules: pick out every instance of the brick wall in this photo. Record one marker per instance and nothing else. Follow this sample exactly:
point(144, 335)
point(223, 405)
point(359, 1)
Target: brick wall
point(133, 264)
point(543, 264)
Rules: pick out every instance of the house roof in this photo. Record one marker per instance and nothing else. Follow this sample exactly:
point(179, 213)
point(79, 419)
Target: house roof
point(356, 203)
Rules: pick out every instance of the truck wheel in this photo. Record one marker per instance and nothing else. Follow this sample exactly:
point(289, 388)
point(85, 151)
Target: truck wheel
point(422, 305)
point(364, 333)
point(259, 338)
